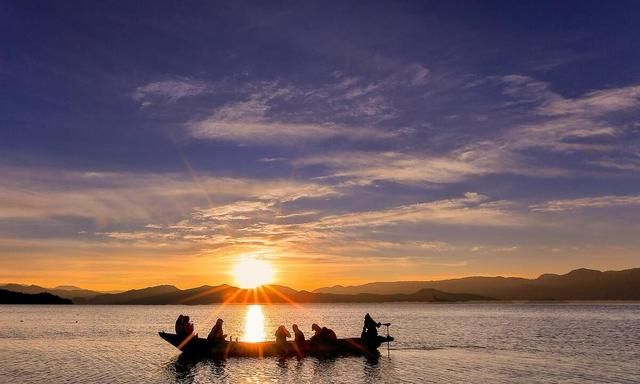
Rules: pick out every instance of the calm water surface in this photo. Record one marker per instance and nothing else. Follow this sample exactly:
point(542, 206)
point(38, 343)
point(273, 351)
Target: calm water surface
point(442, 343)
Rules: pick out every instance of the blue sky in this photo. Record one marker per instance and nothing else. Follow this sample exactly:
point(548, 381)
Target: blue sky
point(160, 142)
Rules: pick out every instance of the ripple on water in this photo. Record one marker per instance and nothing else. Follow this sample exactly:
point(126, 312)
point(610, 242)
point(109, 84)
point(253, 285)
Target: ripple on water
point(497, 343)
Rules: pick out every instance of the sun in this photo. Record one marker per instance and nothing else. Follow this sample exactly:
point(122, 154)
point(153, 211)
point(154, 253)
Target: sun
point(250, 272)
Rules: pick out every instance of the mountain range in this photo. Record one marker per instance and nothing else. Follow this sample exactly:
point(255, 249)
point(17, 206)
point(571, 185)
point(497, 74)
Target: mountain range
point(64, 291)
point(580, 284)
point(167, 294)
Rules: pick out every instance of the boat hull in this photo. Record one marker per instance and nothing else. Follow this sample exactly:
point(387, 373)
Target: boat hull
point(196, 346)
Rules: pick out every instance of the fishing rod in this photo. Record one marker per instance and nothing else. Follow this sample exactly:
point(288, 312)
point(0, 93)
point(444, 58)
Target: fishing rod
point(387, 325)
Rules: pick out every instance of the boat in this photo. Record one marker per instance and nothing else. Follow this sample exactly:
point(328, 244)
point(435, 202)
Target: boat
point(195, 346)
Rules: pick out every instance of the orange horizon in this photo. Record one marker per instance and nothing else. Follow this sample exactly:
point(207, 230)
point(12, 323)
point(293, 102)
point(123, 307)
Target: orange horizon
point(53, 283)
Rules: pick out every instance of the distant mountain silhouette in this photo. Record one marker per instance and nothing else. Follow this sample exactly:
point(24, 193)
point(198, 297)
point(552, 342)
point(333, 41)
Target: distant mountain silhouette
point(68, 288)
point(266, 294)
point(9, 297)
point(151, 295)
point(580, 284)
point(67, 292)
point(423, 295)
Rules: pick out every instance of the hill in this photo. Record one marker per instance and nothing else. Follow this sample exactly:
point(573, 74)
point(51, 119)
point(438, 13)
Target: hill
point(580, 284)
point(9, 297)
point(263, 295)
point(67, 292)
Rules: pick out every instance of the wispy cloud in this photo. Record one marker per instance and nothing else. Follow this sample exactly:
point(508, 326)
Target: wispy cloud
point(472, 209)
point(368, 167)
point(122, 197)
point(474, 160)
point(563, 124)
point(630, 163)
point(169, 91)
point(587, 202)
point(564, 134)
point(552, 123)
point(280, 113)
point(258, 119)
point(250, 226)
point(595, 103)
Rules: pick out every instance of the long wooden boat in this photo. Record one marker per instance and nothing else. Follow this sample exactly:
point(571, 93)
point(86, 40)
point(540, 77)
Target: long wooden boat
point(199, 347)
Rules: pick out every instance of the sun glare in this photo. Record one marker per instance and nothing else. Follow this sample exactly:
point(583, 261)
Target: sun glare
point(251, 273)
point(254, 324)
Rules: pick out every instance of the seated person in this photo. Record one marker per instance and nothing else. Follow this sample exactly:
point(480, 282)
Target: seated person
point(184, 327)
point(179, 324)
point(298, 335)
point(317, 335)
point(216, 334)
point(323, 335)
point(188, 326)
point(329, 335)
point(281, 334)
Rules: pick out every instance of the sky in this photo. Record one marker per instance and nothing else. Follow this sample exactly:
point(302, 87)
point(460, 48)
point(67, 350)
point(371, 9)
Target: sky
point(157, 142)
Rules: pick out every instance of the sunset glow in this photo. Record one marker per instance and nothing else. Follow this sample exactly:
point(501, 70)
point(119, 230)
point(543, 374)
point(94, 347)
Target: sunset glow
point(250, 272)
point(254, 324)
point(312, 148)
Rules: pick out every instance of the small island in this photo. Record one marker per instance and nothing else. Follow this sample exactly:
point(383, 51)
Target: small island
point(9, 297)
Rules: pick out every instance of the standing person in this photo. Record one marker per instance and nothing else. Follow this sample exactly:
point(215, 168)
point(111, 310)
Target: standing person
point(281, 335)
point(216, 334)
point(370, 328)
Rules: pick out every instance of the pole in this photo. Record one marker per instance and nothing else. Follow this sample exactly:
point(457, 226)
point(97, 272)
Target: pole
point(387, 325)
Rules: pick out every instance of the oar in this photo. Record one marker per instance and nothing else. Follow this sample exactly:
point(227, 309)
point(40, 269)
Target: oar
point(387, 325)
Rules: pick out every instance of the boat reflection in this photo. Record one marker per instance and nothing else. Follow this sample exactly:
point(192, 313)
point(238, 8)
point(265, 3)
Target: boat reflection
point(254, 324)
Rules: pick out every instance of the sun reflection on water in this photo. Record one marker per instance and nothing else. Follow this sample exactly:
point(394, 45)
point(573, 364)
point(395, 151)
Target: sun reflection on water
point(254, 324)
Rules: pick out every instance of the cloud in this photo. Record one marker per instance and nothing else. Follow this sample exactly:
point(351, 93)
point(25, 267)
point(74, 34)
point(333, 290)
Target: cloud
point(346, 247)
point(566, 125)
point(554, 124)
point(169, 91)
point(251, 121)
point(417, 74)
point(588, 202)
point(595, 103)
point(124, 197)
point(280, 113)
point(524, 89)
point(303, 232)
point(474, 160)
point(237, 207)
point(472, 209)
point(631, 164)
point(399, 167)
point(564, 134)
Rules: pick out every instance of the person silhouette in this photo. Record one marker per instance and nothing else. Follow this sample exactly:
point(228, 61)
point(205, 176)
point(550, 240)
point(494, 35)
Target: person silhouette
point(184, 327)
point(216, 334)
point(317, 332)
point(322, 335)
point(180, 325)
point(370, 328)
point(281, 335)
point(297, 334)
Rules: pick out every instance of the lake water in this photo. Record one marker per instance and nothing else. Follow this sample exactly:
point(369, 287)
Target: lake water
point(436, 343)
